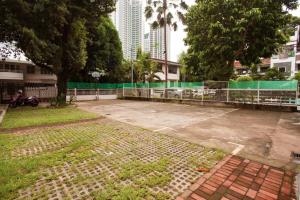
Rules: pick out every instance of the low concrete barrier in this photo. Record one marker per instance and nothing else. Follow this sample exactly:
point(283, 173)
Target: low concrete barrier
point(265, 107)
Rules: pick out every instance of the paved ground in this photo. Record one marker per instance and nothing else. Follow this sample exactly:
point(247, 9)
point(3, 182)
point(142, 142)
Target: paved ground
point(105, 160)
point(260, 135)
point(236, 178)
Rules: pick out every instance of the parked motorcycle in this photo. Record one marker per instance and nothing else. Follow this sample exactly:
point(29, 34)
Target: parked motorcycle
point(21, 100)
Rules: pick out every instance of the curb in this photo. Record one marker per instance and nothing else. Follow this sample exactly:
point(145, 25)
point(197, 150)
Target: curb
point(11, 130)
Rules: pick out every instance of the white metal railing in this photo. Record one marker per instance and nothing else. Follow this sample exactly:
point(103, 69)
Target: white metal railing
point(91, 94)
point(251, 96)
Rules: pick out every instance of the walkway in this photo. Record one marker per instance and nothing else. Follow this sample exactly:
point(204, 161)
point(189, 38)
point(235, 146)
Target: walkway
point(237, 178)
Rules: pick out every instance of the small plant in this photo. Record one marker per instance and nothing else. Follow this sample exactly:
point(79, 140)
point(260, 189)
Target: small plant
point(244, 78)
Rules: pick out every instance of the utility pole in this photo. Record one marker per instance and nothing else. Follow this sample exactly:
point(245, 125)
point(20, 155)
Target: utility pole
point(165, 44)
point(131, 52)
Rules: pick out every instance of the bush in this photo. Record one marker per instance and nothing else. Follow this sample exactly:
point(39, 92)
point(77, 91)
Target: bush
point(273, 74)
point(297, 76)
point(244, 78)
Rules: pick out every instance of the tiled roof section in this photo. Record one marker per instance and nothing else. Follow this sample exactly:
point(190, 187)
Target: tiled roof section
point(264, 61)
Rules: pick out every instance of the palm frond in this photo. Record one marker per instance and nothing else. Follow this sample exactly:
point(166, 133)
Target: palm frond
point(169, 18)
point(181, 17)
point(158, 17)
point(155, 25)
point(183, 5)
point(175, 26)
point(161, 22)
point(148, 12)
point(156, 3)
point(160, 10)
point(174, 5)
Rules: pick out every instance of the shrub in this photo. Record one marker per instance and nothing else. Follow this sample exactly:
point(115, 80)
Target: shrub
point(244, 78)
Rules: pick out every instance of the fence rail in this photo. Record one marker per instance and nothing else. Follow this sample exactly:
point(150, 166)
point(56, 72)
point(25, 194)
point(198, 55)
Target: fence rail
point(250, 96)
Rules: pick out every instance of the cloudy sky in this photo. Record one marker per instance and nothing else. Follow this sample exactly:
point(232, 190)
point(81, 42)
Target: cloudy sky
point(177, 44)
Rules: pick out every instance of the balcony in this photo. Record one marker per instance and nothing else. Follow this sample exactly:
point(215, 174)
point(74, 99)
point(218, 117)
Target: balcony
point(41, 78)
point(9, 74)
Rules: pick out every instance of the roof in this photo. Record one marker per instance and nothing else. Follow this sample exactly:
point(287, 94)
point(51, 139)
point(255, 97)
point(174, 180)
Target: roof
point(264, 61)
point(163, 61)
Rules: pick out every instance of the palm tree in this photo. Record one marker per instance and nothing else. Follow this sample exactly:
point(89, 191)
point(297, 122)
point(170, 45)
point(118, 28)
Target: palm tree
point(145, 68)
point(165, 10)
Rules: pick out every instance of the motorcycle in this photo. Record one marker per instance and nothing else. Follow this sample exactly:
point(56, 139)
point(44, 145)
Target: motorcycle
point(20, 100)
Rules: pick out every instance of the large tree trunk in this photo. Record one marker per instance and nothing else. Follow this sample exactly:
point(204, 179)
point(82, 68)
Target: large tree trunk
point(62, 81)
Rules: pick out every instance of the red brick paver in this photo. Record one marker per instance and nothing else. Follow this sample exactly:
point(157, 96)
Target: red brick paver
point(237, 178)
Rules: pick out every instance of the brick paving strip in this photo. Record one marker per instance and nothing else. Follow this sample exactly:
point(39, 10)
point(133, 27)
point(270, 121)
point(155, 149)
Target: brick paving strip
point(237, 178)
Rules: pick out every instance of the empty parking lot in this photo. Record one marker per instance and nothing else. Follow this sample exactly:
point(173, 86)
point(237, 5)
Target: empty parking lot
point(260, 135)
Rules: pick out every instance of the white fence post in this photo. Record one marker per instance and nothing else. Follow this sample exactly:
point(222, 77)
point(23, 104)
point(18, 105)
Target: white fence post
point(97, 94)
point(227, 92)
point(123, 91)
point(75, 94)
point(258, 93)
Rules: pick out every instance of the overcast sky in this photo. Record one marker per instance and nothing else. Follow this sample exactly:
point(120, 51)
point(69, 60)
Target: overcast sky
point(177, 44)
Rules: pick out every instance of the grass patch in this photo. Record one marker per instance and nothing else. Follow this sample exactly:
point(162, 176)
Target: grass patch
point(17, 173)
point(114, 191)
point(28, 116)
point(28, 158)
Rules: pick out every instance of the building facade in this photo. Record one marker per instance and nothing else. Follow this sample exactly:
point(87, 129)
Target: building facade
point(128, 21)
point(288, 58)
point(286, 61)
point(20, 74)
point(173, 70)
point(157, 41)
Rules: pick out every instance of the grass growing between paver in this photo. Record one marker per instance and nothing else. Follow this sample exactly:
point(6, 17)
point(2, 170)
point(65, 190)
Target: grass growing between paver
point(28, 116)
point(99, 160)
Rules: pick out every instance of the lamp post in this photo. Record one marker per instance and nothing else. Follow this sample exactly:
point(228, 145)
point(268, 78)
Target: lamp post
point(131, 52)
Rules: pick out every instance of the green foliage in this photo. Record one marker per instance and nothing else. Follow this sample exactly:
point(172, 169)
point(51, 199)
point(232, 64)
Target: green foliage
point(17, 173)
point(273, 74)
point(58, 35)
point(144, 68)
point(172, 9)
point(105, 54)
point(244, 78)
point(221, 32)
point(28, 116)
point(297, 76)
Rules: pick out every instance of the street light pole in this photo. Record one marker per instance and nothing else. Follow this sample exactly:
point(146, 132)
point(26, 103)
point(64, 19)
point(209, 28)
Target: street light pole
point(131, 51)
point(165, 44)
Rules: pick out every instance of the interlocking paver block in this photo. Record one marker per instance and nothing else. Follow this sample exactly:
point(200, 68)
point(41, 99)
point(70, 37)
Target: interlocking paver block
point(245, 179)
point(106, 149)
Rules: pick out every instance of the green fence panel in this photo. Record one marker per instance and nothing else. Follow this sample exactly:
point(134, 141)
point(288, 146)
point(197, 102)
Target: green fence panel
point(243, 85)
point(278, 85)
point(264, 85)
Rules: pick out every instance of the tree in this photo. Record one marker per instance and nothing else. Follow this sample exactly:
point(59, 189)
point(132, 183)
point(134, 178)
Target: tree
point(165, 17)
point(273, 74)
point(53, 34)
point(221, 32)
point(104, 51)
point(144, 68)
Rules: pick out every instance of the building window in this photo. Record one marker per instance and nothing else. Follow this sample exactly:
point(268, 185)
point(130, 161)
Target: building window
point(297, 67)
point(172, 70)
point(282, 69)
point(45, 71)
point(30, 69)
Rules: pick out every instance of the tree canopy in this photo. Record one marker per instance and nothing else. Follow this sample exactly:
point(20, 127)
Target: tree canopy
point(220, 32)
point(57, 34)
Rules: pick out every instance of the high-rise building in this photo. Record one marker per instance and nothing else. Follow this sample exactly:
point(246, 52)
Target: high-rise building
point(157, 42)
point(146, 46)
point(136, 26)
point(128, 21)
